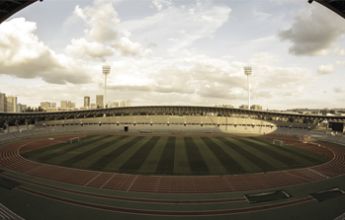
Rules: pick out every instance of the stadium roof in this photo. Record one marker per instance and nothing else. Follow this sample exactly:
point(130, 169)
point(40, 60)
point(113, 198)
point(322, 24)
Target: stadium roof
point(337, 6)
point(10, 7)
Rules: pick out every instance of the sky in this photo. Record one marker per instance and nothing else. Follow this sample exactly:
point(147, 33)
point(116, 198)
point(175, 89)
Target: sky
point(175, 52)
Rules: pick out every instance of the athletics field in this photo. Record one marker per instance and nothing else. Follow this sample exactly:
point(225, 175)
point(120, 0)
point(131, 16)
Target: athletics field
point(176, 155)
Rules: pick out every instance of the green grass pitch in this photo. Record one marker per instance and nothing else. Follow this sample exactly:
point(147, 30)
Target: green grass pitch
point(175, 155)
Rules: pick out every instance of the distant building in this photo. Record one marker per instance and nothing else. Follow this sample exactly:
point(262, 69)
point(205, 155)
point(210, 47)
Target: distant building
point(86, 102)
point(120, 103)
point(113, 105)
point(48, 106)
point(124, 103)
point(21, 108)
point(3, 102)
point(243, 107)
point(93, 106)
point(100, 101)
point(256, 107)
point(11, 102)
point(66, 105)
point(225, 106)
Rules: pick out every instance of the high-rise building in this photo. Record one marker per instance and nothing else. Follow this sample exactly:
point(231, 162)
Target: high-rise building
point(21, 108)
point(48, 106)
point(66, 105)
point(86, 102)
point(11, 102)
point(3, 102)
point(100, 101)
point(256, 107)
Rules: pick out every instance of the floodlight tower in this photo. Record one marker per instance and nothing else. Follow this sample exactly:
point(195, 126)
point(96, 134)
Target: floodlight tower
point(248, 72)
point(106, 71)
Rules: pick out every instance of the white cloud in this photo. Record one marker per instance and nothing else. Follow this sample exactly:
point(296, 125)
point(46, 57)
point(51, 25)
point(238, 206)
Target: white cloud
point(23, 55)
point(340, 52)
point(177, 27)
point(160, 4)
point(340, 62)
point(205, 79)
point(338, 90)
point(313, 32)
point(83, 48)
point(325, 69)
point(103, 37)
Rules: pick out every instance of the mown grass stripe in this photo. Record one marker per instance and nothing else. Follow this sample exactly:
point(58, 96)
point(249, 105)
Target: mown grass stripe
point(261, 163)
point(54, 148)
point(116, 164)
point(101, 153)
point(69, 148)
point(181, 164)
point(152, 161)
point(167, 159)
point(196, 161)
point(76, 151)
point(103, 162)
point(213, 164)
point(92, 151)
point(227, 161)
point(293, 160)
point(288, 161)
point(300, 152)
point(248, 165)
point(262, 153)
point(138, 158)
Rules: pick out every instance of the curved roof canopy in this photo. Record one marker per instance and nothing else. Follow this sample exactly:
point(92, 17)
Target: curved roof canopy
point(10, 7)
point(337, 6)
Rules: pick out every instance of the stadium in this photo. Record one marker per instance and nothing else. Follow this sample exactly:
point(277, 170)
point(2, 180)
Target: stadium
point(168, 162)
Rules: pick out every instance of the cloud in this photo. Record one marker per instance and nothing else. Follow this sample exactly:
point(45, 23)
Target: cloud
point(325, 69)
point(340, 62)
point(83, 48)
point(340, 52)
point(281, 79)
point(23, 55)
point(338, 90)
point(313, 32)
point(200, 76)
point(175, 28)
point(152, 88)
point(103, 37)
point(196, 78)
point(160, 4)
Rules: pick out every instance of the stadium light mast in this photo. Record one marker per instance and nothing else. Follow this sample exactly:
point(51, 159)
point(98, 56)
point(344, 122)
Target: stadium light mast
point(248, 71)
point(106, 71)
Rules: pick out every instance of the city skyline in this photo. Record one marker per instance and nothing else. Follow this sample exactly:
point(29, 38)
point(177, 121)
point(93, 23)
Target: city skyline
point(157, 61)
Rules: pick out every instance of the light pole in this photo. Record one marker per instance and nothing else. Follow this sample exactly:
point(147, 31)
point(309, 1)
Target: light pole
point(106, 71)
point(248, 72)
